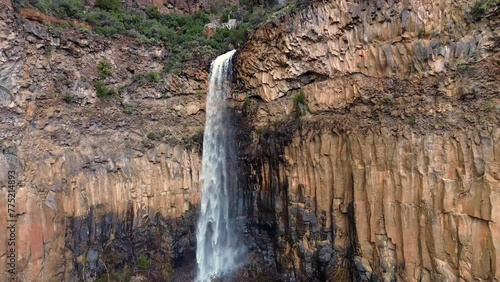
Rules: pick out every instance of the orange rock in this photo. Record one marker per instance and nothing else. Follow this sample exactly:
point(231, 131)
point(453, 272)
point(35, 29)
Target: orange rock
point(35, 15)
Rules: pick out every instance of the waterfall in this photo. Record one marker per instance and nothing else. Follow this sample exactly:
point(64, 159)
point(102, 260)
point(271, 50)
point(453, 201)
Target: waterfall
point(218, 250)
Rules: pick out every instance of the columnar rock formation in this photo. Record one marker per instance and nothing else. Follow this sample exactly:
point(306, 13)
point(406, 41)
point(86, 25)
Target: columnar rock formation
point(77, 208)
point(389, 168)
point(373, 38)
point(407, 207)
point(393, 172)
point(101, 183)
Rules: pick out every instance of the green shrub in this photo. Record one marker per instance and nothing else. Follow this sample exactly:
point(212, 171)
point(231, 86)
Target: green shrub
point(150, 136)
point(104, 68)
point(247, 103)
point(58, 8)
point(299, 98)
point(144, 262)
point(68, 98)
point(238, 35)
point(299, 103)
point(109, 5)
point(153, 76)
point(48, 50)
point(412, 121)
point(489, 107)
point(106, 31)
point(226, 15)
point(68, 8)
point(479, 9)
point(128, 111)
point(103, 91)
point(154, 13)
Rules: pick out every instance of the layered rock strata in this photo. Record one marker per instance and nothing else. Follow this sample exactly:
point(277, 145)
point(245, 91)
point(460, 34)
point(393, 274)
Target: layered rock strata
point(373, 151)
point(324, 41)
point(104, 183)
point(383, 206)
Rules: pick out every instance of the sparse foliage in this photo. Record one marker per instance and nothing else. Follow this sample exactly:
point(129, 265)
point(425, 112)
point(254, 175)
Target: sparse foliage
point(103, 91)
point(104, 68)
point(144, 262)
point(479, 9)
point(299, 103)
point(68, 98)
point(58, 8)
point(388, 99)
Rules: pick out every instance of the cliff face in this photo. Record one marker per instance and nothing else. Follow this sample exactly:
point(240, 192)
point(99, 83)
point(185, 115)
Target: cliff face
point(388, 167)
point(103, 182)
point(382, 205)
point(374, 38)
point(82, 212)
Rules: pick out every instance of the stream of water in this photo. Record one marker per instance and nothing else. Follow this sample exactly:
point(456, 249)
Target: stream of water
point(217, 250)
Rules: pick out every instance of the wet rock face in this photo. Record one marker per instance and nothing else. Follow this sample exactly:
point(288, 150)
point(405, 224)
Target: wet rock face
point(382, 206)
point(315, 45)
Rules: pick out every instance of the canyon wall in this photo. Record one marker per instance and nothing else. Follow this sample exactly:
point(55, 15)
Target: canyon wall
point(82, 212)
point(386, 169)
point(327, 40)
point(374, 141)
point(102, 183)
point(382, 205)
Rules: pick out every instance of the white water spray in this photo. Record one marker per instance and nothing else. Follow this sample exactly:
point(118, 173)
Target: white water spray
point(217, 251)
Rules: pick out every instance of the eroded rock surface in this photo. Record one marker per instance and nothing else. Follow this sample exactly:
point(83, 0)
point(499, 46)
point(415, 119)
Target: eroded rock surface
point(103, 182)
point(373, 151)
point(388, 170)
point(325, 41)
point(379, 205)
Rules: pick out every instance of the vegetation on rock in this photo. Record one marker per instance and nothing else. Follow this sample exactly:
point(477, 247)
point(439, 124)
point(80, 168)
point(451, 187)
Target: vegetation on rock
point(104, 68)
point(181, 34)
point(58, 8)
point(68, 98)
point(144, 262)
point(103, 91)
point(479, 9)
point(299, 103)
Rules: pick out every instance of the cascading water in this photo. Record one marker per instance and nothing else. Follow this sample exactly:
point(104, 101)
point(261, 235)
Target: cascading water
point(218, 250)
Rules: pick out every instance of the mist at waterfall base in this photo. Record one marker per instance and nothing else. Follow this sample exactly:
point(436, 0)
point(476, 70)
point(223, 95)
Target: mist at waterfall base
point(218, 250)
